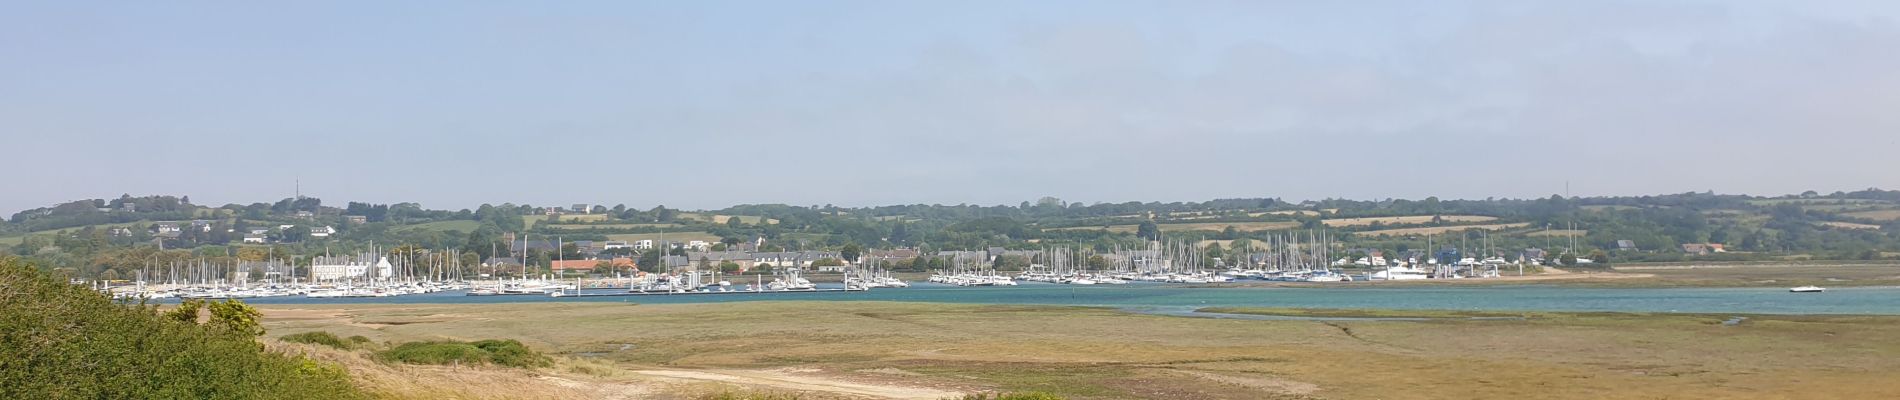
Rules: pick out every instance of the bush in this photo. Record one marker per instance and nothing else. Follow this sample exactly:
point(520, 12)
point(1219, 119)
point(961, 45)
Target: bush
point(500, 352)
point(319, 338)
point(59, 340)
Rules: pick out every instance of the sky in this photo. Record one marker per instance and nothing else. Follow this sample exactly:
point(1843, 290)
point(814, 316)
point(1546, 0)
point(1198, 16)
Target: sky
point(706, 104)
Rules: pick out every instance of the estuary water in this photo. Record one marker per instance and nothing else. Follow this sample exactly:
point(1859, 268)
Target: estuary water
point(1860, 300)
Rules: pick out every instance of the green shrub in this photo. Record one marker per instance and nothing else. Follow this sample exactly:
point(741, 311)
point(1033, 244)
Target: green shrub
point(59, 340)
point(500, 352)
point(512, 353)
point(319, 338)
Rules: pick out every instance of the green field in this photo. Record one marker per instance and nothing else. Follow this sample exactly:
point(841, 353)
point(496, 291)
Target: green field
point(16, 239)
point(669, 236)
point(1877, 215)
point(456, 225)
point(608, 226)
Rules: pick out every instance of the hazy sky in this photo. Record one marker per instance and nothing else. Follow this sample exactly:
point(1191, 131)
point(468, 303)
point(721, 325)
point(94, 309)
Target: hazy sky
point(711, 103)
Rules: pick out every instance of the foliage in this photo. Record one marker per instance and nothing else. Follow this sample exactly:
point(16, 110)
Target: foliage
point(85, 240)
point(323, 338)
point(499, 352)
point(59, 340)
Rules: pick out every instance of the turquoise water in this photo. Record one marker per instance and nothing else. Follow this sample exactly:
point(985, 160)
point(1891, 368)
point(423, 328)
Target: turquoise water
point(1874, 300)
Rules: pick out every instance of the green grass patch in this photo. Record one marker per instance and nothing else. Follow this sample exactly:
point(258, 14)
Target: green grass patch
point(324, 339)
point(498, 352)
point(456, 225)
point(1351, 313)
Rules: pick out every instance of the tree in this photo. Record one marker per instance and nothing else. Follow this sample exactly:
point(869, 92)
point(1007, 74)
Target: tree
point(297, 233)
point(899, 233)
point(1148, 230)
point(851, 252)
point(569, 251)
point(237, 317)
point(734, 222)
point(186, 311)
point(650, 262)
point(729, 267)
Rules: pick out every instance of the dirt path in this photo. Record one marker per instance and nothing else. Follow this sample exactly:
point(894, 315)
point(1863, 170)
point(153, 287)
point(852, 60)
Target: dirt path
point(788, 381)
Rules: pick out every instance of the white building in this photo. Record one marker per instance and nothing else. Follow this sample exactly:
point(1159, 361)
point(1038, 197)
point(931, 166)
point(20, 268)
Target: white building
point(699, 246)
point(257, 238)
point(643, 245)
point(334, 269)
point(322, 232)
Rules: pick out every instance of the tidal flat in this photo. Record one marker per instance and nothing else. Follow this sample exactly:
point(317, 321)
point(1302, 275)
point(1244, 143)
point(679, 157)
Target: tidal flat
point(846, 349)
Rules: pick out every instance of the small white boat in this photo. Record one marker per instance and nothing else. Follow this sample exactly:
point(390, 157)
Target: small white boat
point(1807, 289)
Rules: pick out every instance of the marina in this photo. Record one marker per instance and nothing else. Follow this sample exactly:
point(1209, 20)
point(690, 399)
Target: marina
point(1860, 300)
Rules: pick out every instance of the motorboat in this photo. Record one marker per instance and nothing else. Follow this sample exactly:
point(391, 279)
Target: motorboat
point(1807, 289)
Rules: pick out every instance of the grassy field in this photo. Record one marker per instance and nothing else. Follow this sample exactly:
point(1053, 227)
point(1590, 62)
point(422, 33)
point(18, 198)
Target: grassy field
point(16, 239)
point(1198, 226)
point(457, 225)
point(1558, 232)
point(607, 226)
point(1410, 219)
point(1434, 230)
point(914, 350)
point(751, 219)
point(1849, 225)
point(1770, 202)
point(669, 236)
point(1877, 215)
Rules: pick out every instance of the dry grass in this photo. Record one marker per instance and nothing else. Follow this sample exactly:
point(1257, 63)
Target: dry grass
point(1849, 225)
point(748, 219)
point(1434, 230)
point(1877, 215)
point(1558, 232)
point(1411, 219)
point(1099, 353)
point(569, 217)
